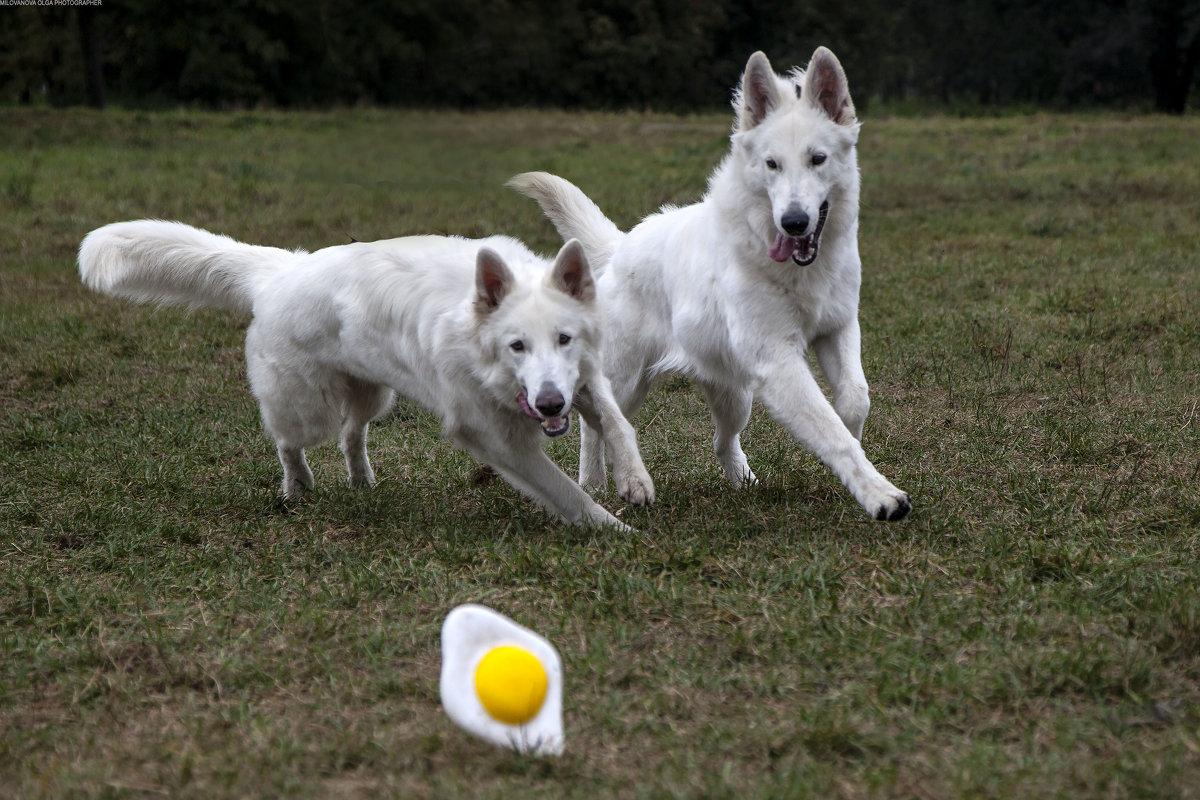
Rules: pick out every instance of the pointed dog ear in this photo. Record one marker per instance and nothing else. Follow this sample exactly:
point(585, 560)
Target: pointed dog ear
point(571, 273)
point(493, 280)
point(758, 93)
point(826, 88)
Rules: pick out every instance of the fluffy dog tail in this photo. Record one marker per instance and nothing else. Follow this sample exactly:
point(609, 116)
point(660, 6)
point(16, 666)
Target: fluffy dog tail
point(176, 264)
point(573, 214)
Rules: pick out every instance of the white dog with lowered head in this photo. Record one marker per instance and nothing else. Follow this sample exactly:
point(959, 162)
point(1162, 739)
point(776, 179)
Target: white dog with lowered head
point(734, 290)
point(498, 342)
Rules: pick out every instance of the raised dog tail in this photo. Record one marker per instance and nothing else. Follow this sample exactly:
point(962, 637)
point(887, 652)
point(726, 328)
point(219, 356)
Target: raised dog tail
point(176, 264)
point(573, 214)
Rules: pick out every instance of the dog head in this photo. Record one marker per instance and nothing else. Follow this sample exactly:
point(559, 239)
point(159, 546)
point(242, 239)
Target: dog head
point(541, 334)
point(794, 139)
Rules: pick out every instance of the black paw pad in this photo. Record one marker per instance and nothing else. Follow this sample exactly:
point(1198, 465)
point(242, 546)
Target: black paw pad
point(898, 513)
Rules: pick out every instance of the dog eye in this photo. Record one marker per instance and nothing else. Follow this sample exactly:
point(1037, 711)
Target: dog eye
point(772, 164)
point(517, 347)
point(564, 338)
point(818, 159)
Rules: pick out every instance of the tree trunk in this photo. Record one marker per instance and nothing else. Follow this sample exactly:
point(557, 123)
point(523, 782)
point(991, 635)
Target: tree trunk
point(93, 64)
point(1172, 61)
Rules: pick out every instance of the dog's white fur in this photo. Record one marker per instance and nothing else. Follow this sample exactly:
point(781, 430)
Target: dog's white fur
point(715, 290)
point(480, 332)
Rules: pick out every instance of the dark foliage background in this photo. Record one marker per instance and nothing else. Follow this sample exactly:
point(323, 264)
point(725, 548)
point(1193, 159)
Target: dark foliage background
point(664, 54)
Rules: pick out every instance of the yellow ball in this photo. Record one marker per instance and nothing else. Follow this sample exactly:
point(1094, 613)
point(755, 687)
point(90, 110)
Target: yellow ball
point(511, 684)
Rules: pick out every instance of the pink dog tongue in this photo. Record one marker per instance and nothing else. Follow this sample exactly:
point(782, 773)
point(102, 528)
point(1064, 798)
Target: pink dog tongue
point(523, 402)
point(783, 247)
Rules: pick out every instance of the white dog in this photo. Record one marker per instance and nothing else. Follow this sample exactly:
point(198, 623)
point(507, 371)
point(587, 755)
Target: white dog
point(495, 340)
point(733, 291)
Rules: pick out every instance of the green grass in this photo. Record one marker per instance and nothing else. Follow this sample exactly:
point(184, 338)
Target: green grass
point(169, 627)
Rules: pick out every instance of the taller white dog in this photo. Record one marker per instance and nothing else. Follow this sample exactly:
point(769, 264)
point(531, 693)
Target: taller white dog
point(492, 338)
point(733, 290)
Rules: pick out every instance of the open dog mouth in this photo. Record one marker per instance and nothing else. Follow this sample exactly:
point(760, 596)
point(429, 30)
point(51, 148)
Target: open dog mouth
point(551, 426)
point(802, 249)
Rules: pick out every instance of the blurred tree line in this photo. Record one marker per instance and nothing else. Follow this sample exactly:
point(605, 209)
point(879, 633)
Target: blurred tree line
point(665, 54)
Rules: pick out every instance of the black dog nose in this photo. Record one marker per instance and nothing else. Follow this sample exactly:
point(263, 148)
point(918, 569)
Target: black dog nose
point(549, 401)
point(795, 223)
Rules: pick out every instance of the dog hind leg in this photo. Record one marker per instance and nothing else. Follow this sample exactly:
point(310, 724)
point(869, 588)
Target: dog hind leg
point(297, 477)
point(364, 402)
point(297, 410)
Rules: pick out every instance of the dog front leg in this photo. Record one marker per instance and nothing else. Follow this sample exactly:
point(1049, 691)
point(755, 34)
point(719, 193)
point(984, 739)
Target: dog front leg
point(790, 392)
point(592, 473)
point(730, 410)
point(600, 412)
point(527, 468)
point(840, 356)
point(627, 398)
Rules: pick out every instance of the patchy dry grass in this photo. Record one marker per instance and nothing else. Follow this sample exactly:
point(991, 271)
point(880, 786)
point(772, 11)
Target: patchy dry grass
point(168, 626)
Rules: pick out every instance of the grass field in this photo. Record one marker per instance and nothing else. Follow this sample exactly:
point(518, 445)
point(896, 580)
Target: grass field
point(169, 627)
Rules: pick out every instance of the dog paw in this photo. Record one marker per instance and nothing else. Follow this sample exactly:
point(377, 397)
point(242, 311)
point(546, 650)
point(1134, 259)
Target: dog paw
point(591, 478)
point(593, 485)
point(361, 481)
point(295, 487)
point(894, 508)
point(636, 487)
point(737, 469)
point(744, 479)
point(599, 517)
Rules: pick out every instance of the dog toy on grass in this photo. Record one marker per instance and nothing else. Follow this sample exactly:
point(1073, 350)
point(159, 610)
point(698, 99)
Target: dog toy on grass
point(501, 681)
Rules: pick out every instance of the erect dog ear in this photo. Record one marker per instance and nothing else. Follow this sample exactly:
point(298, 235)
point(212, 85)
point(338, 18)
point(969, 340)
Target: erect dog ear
point(571, 273)
point(758, 93)
point(826, 88)
point(493, 280)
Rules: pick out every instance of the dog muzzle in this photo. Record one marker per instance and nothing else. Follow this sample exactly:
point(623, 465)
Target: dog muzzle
point(801, 249)
point(551, 425)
